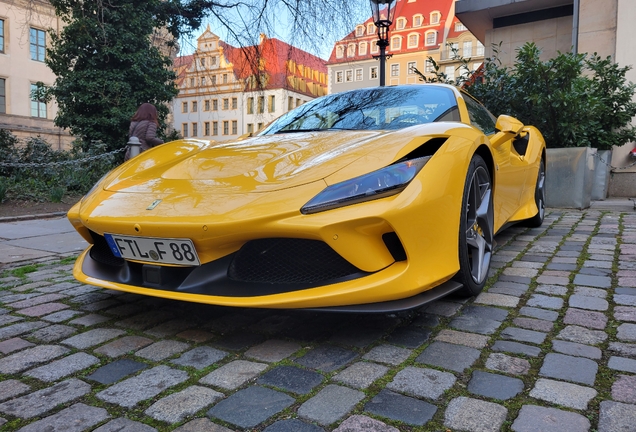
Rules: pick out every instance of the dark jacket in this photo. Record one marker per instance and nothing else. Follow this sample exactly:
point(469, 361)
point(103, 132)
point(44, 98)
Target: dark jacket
point(146, 131)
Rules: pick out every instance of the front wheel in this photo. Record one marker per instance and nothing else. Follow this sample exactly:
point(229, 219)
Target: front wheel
point(539, 198)
point(476, 228)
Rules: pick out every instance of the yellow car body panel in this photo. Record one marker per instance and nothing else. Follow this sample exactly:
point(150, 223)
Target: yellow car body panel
point(222, 196)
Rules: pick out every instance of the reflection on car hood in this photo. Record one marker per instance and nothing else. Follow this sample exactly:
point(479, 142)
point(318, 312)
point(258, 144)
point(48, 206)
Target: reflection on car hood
point(259, 164)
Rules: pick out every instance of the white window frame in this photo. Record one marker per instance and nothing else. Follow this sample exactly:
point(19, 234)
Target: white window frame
point(359, 31)
point(395, 70)
point(467, 52)
point(410, 66)
point(340, 51)
point(417, 40)
point(396, 43)
point(358, 74)
point(460, 27)
point(415, 18)
point(400, 23)
point(349, 75)
point(428, 66)
point(374, 48)
point(362, 48)
point(430, 32)
point(339, 76)
point(351, 50)
point(370, 28)
point(373, 72)
point(435, 17)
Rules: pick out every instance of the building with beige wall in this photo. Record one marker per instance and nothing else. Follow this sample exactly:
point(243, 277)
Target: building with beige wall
point(226, 91)
point(24, 26)
point(420, 29)
point(605, 27)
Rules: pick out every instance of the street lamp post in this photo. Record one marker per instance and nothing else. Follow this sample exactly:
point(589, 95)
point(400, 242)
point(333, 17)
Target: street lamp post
point(383, 12)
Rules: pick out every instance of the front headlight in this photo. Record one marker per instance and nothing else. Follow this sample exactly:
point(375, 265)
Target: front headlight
point(378, 184)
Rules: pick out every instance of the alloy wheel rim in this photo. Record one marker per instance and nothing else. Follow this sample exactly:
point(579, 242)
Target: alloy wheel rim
point(479, 225)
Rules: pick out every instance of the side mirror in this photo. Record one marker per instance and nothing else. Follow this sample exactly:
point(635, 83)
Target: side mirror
point(508, 124)
point(508, 128)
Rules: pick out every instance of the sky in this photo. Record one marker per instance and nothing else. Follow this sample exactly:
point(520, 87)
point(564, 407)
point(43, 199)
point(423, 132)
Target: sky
point(281, 29)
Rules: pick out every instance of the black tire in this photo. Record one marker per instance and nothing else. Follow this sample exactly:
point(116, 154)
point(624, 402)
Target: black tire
point(476, 228)
point(539, 198)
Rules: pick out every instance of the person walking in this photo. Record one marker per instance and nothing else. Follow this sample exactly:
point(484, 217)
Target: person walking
point(143, 125)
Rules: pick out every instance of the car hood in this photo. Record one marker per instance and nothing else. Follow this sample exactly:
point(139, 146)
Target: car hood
point(260, 164)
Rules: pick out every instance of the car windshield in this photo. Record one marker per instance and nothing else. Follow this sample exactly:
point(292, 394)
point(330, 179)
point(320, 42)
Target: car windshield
point(371, 109)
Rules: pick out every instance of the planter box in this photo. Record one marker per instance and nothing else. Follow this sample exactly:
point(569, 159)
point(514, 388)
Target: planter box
point(600, 185)
point(570, 177)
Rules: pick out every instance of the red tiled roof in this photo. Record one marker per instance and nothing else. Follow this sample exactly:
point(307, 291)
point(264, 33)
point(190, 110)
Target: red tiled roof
point(406, 9)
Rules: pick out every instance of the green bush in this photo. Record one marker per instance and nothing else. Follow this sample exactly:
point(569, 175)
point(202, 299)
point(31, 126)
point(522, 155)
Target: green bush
point(34, 171)
point(575, 100)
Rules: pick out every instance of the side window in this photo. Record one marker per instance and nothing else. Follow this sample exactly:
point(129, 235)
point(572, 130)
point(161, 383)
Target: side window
point(480, 117)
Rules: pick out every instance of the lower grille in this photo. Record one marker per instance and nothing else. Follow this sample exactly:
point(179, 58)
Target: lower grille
point(289, 261)
point(101, 252)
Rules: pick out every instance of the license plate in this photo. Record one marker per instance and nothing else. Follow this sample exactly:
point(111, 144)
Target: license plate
point(153, 249)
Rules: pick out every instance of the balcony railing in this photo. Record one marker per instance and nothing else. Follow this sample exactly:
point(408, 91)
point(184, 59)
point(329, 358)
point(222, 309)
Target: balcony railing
point(475, 52)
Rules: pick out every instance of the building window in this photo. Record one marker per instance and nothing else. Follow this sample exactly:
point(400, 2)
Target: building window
point(250, 127)
point(259, 126)
point(226, 103)
point(260, 105)
point(213, 80)
point(38, 107)
point(234, 103)
point(359, 31)
point(202, 62)
point(459, 27)
point(429, 67)
point(195, 106)
point(373, 72)
point(349, 75)
point(191, 82)
point(290, 103)
point(414, 40)
point(400, 24)
point(234, 127)
point(250, 105)
point(38, 44)
point(339, 76)
point(215, 128)
point(431, 38)
point(213, 61)
point(362, 49)
point(224, 78)
point(410, 67)
point(206, 128)
point(340, 51)
point(298, 103)
point(206, 105)
point(184, 107)
point(351, 50)
point(467, 48)
point(450, 72)
point(396, 43)
point(453, 47)
point(195, 129)
point(480, 49)
point(215, 104)
point(184, 130)
point(271, 104)
point(370, 28)
point(202, 81)
point(395, 70)
point(3, 96)
point(226, 127)
point(435, 17)
point(359, 74)
point(417, 20)
point(374, 47)
point(1, 36)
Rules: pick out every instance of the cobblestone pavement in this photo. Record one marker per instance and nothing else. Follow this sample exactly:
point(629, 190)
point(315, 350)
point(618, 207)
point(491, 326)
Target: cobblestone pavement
point(550, 345)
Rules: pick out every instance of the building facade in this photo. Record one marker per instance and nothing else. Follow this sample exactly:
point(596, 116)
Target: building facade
point(420, 29)
point(24, 27)
point(226, 92)
point(605, 27)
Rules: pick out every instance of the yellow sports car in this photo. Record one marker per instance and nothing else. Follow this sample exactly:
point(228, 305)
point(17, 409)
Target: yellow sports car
point(376, 199)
